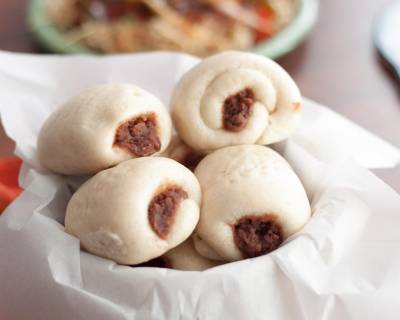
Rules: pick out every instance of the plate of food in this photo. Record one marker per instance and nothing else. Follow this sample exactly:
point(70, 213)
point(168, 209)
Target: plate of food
point(198, 27)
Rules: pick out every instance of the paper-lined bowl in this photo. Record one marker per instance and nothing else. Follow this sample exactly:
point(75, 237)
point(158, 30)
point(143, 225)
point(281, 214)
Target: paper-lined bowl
point(345, 258)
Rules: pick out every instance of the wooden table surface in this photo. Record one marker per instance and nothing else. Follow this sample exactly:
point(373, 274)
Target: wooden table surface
point(336, 66)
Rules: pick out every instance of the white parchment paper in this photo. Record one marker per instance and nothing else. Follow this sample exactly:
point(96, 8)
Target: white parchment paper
point(343, 265)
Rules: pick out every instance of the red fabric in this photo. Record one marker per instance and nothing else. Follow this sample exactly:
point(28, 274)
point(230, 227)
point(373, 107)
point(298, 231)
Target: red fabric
point(9, 188)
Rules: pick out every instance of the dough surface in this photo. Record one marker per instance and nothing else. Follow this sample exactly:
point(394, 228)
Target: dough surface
point(101, 127)
point(235, 98)
point(252, 202)
point(185, 257)
point(112, 212)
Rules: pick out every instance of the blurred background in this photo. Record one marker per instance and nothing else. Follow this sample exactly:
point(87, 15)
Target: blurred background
point(327, 46)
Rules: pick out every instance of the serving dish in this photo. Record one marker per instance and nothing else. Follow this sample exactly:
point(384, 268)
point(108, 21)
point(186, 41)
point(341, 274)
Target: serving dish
point(276, 46)
point(315, 274)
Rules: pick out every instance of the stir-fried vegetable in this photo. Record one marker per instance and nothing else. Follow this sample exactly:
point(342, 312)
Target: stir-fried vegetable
point(201, 27)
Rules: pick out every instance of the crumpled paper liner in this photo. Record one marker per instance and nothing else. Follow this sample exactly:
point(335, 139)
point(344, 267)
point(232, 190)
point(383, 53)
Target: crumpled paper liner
point(343, 265)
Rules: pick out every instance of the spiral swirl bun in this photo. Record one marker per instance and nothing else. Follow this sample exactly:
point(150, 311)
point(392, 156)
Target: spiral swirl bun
point(135, 211)
point(101, 127)
point(251, 202)
point(235, 98)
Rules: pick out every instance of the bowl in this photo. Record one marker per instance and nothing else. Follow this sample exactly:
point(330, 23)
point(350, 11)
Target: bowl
point(276, 46)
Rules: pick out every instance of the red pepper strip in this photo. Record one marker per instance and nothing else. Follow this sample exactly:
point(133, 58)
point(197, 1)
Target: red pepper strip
point(266, 14)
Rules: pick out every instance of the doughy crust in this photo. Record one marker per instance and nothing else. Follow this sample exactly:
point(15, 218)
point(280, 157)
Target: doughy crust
point(198, 99)
point(245, 180)
point(185, 257)
point(79, 137)
point(181, 152)
point(110, 212)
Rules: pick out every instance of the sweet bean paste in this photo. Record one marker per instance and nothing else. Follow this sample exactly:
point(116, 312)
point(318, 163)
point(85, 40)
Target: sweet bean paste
point(139, 135)
point(237, 110)
point(191, 160)
point(162, 209)
point(257, 235)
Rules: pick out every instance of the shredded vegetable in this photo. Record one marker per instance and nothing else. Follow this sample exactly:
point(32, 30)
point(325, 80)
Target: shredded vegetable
point(200, 27)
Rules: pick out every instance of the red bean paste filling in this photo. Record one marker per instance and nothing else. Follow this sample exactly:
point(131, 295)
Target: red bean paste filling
point(257, 235)
point(139, 135)
point(237, 110)
point(162, 210)
point(191, 160)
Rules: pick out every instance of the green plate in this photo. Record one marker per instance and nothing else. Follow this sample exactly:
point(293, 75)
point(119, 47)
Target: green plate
point(283, 42)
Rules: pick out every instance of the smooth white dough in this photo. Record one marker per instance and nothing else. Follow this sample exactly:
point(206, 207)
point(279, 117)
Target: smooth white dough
point(78, 138)
point(245, 180)
point(204, 249)
point(109, 212)
point(199, 96)
point(185, 257)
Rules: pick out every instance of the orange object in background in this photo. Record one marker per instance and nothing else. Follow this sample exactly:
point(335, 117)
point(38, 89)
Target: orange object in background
point(9, 188)
point(266, 15)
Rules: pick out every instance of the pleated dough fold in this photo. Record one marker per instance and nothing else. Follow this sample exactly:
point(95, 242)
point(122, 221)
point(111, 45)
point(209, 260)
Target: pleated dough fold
point(235, 98)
